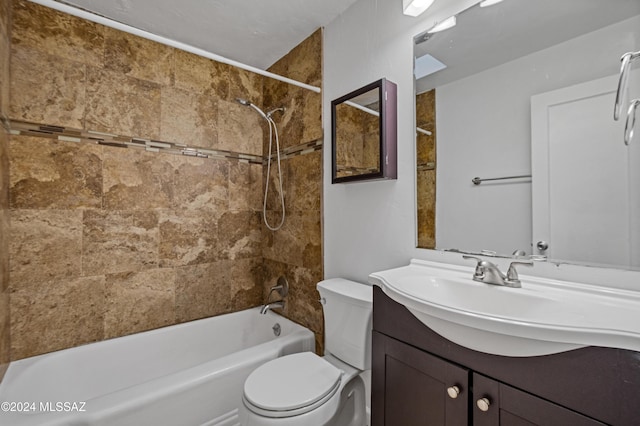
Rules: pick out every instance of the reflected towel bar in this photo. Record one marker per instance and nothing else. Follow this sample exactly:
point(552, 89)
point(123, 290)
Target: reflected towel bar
point(477, 181)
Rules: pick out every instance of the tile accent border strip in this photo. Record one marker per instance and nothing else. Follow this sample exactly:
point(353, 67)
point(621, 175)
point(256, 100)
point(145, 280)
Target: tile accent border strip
point(427, 166)
point(66, 134)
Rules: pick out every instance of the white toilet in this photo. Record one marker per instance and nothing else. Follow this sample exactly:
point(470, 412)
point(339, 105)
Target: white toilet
point(305, 389)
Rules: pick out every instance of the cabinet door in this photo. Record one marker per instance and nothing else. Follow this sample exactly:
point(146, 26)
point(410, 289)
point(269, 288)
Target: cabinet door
point(506, 406)
point(411, 387)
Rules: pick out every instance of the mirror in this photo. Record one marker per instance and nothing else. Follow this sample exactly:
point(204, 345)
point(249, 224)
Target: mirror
point(484, 89)
point(364, 133)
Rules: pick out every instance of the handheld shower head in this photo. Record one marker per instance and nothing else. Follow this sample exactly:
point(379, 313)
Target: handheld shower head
point(258, 110)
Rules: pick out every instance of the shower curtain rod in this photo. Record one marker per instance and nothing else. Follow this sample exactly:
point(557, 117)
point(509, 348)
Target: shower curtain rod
point(80, 13)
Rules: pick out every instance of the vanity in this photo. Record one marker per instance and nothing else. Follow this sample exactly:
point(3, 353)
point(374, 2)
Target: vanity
point(531, 368)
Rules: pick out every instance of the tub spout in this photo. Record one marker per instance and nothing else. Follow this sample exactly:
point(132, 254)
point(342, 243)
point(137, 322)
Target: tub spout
point(266, 308)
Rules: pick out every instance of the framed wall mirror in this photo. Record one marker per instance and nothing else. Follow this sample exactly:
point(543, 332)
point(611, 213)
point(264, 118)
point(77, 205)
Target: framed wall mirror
point(364, 133)
point(523, 92)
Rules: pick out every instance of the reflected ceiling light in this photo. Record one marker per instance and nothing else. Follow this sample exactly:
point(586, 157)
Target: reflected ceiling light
point(444, 25)
point(415, 7)
point(486, 3)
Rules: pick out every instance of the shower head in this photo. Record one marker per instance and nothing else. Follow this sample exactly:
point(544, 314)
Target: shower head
point(258, 110)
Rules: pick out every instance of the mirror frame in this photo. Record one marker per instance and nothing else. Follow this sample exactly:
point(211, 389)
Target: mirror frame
point(388, 165)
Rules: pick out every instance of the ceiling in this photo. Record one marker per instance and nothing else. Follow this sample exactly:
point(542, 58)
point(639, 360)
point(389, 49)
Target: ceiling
point(253, 32)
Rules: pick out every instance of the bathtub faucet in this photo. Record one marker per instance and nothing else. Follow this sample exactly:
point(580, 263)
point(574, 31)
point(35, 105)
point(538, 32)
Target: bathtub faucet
point(282, 289)
point(266, 308)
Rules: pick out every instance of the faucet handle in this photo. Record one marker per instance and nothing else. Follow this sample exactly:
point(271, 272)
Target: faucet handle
point(477, 259)
point(512, 273)
point(479, 273)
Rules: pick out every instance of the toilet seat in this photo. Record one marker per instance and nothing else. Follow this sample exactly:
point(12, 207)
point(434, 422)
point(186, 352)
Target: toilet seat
point(291, 385)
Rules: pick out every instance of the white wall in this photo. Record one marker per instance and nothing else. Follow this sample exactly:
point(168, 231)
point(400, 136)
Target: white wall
point(371, 226)
point(484, 129)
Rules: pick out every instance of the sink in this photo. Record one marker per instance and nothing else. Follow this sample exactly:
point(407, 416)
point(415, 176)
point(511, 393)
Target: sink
point(543, 317)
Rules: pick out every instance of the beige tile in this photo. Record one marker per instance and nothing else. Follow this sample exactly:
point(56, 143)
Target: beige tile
point(5, 332)
point(426, 196)
point(304, 183)
point(47, 89)
point(246, 283)
point(189, 118)
point(57, 33)
point(426, 109)
point(5, 17)
point(188, 238)
point(4, 170)
point(240, 235)
point(201, 184)
point(291, 122)
point(44, 245)
point(274, 201)
point(119, 241)
point(245, 186)
point(139, 301)
point(298, 242)
point(5, 70)
point(137, 180)
point(123, 105)
point(202, 291)
point(56, 175)
point(425, 148)
point(240, 128)
point(245, 85)
point(304, 62)
point(201, 75)
point(311, 116)
point(425, 119)
point(275, 94)
point(4, 250)
point(137, 57)
point(57, 315)
point(304, 299)
point(271, 271)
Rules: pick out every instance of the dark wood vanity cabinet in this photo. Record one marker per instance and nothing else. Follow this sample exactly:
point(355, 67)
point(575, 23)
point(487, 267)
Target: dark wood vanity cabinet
point(421, 378)
point(414, 384)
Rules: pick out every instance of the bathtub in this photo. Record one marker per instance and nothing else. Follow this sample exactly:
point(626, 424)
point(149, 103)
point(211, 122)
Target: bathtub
point(186, 374)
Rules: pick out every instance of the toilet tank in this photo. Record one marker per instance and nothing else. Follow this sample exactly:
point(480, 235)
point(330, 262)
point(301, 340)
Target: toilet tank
point(347, 307)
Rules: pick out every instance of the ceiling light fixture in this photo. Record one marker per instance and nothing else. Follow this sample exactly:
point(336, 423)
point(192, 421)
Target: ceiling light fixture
point(486, 3)
point(415, 7)
point(444, 25)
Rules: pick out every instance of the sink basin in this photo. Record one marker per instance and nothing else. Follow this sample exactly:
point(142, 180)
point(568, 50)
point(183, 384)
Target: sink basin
point(543, 317)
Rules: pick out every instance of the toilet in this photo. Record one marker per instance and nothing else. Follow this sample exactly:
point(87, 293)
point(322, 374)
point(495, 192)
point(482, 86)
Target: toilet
point(306, 389)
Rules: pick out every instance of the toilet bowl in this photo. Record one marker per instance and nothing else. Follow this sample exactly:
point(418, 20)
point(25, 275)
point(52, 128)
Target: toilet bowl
point(306, 389)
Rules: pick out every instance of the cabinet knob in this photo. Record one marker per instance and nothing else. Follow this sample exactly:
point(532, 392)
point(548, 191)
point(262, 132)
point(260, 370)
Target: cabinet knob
point(483, 404)
point(453, 392)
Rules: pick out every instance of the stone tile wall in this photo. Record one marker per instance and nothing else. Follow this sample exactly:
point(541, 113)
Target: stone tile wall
point(295, 251)
point(358, 141)
point(426, 173)
point(5, 48)
point(108, 241)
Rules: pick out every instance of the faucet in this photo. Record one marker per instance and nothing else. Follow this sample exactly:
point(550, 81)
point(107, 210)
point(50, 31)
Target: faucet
point(273, 305)
point(282, 288)
point(489, 273)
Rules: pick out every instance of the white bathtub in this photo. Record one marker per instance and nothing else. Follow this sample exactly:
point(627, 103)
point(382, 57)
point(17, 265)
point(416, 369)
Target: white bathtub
point(187, 374)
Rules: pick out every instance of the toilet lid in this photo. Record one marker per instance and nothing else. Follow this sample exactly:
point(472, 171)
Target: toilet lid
point(291, 382)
